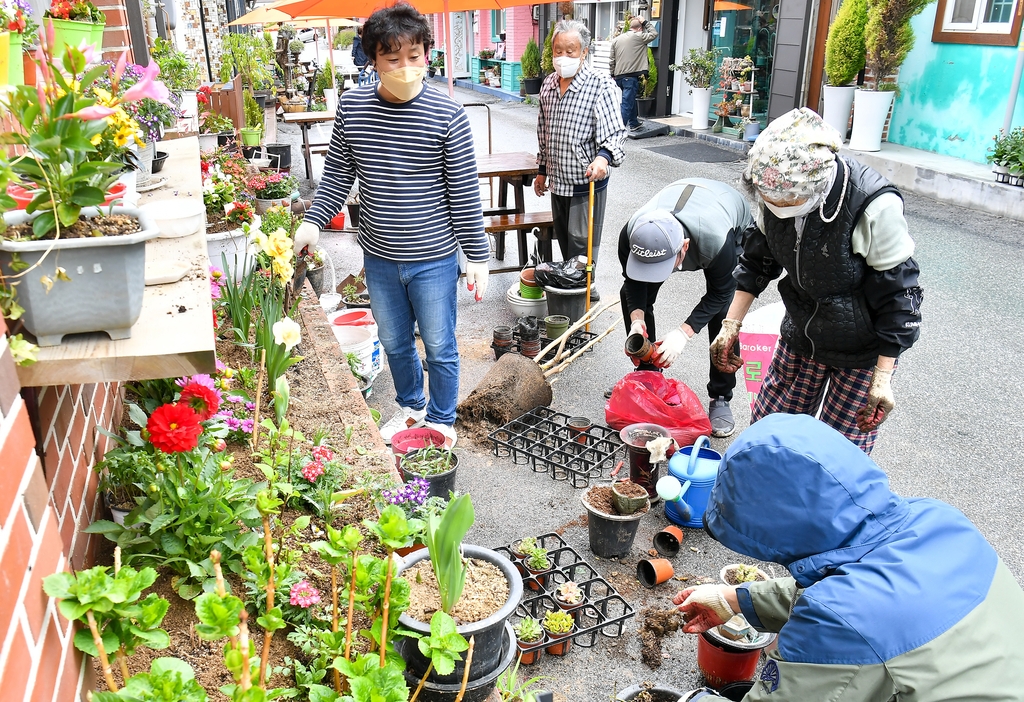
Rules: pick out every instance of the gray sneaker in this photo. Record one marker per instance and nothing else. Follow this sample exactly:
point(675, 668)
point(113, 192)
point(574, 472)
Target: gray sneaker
point(722, 423)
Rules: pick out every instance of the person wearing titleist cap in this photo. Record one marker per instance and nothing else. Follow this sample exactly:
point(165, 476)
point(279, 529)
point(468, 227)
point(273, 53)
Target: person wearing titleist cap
point(693, 224)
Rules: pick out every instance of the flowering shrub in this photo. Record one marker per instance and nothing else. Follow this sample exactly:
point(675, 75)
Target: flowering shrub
point(78, 11)
point(240, 213)
point(218, 191)
point(408, 496)
point(17, 16)
point(279, 217)
point(275, 185)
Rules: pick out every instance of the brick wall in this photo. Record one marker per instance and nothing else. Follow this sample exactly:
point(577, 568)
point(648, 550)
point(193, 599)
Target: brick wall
point(870, 82)
point(115, 33)
point(43, 507)
point(519, 27)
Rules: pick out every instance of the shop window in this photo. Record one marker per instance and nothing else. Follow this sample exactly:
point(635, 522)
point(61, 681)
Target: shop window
point(994, 22)
point(497, 25)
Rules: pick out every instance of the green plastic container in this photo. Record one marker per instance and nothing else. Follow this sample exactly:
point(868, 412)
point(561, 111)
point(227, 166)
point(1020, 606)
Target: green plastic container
point(72, 33)
point(97, 35)
point(16, 64)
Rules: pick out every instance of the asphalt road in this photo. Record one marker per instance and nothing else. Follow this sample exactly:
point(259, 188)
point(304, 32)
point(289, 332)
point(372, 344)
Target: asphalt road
point(957, 433)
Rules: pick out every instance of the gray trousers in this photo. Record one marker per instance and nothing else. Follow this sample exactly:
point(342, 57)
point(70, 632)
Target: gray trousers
point(570, 220)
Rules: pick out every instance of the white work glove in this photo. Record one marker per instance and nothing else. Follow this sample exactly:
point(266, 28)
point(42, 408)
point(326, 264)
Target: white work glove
point(704, 607)
point(306, 236)
point(638, 327)
point(722, 353)
point(476, 278)
point(880, 402)
point(670, 347)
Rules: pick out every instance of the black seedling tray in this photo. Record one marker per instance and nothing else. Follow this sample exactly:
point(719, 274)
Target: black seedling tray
point(603, 610)
point(577, 340)
point(541, 439)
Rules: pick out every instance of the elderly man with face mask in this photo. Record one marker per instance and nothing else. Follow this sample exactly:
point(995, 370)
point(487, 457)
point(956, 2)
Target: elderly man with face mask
point(579, 134)
point(853, 303)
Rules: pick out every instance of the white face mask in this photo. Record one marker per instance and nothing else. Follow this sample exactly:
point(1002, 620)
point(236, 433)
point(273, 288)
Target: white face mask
point(404, 83)
point(794, 210)
point(566, 66)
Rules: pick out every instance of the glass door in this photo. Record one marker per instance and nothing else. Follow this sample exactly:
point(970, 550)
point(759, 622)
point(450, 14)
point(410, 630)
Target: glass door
point(745, 28)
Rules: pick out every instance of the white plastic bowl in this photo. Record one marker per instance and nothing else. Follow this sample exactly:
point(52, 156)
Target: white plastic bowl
point(176, 217)
point(521, 307)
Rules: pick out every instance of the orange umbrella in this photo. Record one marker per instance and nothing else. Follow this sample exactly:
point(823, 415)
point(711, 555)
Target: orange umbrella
point(726, 5)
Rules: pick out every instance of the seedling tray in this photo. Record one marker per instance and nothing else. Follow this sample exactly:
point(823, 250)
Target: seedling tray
point(541, 439)
point(577, 340)
point(603, 611)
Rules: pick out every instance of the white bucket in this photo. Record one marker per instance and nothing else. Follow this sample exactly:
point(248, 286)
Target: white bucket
point(522, 307)
point(362, 342)
point(241, 254)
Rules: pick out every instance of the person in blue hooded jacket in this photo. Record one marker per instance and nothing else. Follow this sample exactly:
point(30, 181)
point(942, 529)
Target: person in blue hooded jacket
point(890, 598)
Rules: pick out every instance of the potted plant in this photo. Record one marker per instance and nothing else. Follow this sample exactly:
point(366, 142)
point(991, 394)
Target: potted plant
point(486, 54)
point(75, 23)
point(353, 208)
point(569, 596)
point(353, 292)
point(214, 130)
point(253, 131)
point(124, 471)
point(649, 692)
point(528, 634)
point(93, 283)
point(316, 270)
point(547, 66)
point(274, 189)
point(530, 64)
point(435, 465)
point(295, 47)
point(249, 56)
point(442, 573)
point(844, 59)
point(888, 38)
point(736, 573)
point(537, 565)
point(648, 84)
point(1006, 150)
point(20, 23)
point(699, 72)
point(559, 626)
point(611, 534)
point(524, 546)
point(511, 689)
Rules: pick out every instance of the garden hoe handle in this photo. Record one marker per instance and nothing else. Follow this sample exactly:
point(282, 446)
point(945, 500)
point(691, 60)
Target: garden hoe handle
point(590, 246)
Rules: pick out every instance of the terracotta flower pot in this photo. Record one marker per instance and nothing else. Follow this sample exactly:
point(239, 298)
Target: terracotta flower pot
point(559, 643)
point(654, 571)
point(529, 657)
point(537, 578)
point(668, 541)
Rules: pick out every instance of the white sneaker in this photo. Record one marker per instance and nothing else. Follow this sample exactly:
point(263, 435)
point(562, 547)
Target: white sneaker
point(407, 418)
point(449, 433)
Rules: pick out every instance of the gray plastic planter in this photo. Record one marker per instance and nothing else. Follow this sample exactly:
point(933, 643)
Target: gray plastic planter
point(108, 278)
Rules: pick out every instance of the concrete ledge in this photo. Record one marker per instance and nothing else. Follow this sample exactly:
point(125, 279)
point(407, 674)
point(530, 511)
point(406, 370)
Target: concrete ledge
point(945, 179)
point(716, 139)
point(485, 89)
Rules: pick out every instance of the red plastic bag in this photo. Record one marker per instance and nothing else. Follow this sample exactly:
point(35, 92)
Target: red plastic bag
point(648, 396)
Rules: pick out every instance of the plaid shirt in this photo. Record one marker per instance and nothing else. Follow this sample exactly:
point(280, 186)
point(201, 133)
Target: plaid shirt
point(574, 128)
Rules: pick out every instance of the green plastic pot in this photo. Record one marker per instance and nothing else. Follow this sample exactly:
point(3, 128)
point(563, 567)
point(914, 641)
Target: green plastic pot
point(15, 62)
point(73, 33)
point(251, 137)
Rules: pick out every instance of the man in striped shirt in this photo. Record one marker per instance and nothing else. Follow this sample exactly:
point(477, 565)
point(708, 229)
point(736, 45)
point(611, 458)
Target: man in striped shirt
point(412, 150)
point(580, 134)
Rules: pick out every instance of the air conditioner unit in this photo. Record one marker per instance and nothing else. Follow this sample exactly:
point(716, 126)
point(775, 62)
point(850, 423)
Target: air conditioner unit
point(536, 14)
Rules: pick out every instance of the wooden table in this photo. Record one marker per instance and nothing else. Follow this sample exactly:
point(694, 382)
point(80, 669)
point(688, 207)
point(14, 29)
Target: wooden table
point(514, 170)
point(305, 120)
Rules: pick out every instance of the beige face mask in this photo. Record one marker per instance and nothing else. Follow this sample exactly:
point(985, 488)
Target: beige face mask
point(404, 83)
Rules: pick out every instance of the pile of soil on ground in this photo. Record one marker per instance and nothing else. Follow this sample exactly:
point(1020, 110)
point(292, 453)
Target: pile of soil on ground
point(657, 624)
point(485, 592)
point(84, 228)
point(513, 386)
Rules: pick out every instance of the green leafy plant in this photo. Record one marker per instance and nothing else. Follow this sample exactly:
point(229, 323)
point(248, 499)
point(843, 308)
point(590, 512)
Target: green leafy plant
point(250, 57)
point(525, 545)
point(546, 63)
point(845, 50)
point(269, 338)
point(744, 573)
point(431, 460)
point(486, 53)
point(443, 645)
point(177, 71)
point(296, 46)
point(537, 559)
point(529, 61)
point(558, 622)
point(699, 68)
point(511, 689)
point(213, 123)
point(650, 81)
point(370, 682)
point(168, 680)
point(253, 112)
point(528, 630)
point(344, 38)
point(443, 536)
point(239, 298)
point(888, 35)
point(125, 472)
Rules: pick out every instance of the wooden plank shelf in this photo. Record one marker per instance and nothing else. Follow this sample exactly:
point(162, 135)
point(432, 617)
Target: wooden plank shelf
point(174, 335)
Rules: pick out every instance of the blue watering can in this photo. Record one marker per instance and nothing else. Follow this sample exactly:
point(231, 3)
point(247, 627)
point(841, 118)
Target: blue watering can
point(692, 472)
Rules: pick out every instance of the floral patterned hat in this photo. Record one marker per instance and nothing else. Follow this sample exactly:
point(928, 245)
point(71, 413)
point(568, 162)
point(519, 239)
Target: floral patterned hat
point(794, 156)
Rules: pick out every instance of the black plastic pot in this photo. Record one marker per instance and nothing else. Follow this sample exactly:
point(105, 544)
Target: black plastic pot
point(611, 535)
point(658, 693)
point(225, 138)
point(477, 690)
point(158, 161)
point(441, 484)
point(736, 690)
point(492, 635)
point(280, 155)
point(353, 214)
point(532, 85)
point(645, 107)
point(250, 151)
point(316, 278)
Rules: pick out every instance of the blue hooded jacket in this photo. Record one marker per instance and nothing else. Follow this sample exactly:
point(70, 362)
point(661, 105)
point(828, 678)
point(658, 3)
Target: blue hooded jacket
point(884, 574)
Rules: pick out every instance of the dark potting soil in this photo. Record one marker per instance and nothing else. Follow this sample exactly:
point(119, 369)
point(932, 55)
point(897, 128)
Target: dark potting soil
point(657, 623)
point(600, 498)
point(216, 223)
point(85, 228)
point(627, 488)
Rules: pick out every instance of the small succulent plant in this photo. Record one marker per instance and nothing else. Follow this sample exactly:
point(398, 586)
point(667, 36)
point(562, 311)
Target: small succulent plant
point(569, 593)
point(525, 545)
point(558, 622)
point(528, 630)
point(537, 559)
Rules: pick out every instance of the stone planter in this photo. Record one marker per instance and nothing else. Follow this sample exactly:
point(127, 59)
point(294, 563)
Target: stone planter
point(264, 204)
point(108, 278)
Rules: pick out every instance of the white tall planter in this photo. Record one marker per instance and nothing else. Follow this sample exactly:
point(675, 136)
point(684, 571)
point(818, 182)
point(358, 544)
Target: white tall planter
point(838, 104)
point(331, 98)
point(870, 108)
point(701, 106)
point(190, 110)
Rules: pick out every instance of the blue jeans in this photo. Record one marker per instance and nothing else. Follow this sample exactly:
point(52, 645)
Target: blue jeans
point(402, 294)
point(630, 86)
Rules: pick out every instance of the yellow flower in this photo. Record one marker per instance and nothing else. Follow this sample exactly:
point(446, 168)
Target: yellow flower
point(279, 245)
point(122, 136)
point(283, 269)
point(260, 239)
point(96, 140)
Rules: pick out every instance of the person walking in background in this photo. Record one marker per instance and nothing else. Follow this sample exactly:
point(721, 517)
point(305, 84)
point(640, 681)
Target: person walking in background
point(853, 303)
point(628, 64)
point(359, 57)
point(580, 134)
point(412, 150)
point(693, 224)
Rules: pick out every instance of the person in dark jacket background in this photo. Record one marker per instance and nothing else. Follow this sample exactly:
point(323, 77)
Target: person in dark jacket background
point(853, 303)
point(692, 224)
point(886, 598)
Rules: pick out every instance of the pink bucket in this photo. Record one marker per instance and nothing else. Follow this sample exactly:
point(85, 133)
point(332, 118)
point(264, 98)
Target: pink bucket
point(412, 439)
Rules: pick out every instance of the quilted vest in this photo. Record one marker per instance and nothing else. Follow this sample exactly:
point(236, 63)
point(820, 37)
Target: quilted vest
point(827, 316)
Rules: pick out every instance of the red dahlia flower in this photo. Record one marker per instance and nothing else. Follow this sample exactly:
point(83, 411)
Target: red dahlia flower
point(174, 428)
point(203, 400)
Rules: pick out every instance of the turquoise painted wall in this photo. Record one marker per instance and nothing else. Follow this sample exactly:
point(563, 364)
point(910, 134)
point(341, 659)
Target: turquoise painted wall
point(953, 96)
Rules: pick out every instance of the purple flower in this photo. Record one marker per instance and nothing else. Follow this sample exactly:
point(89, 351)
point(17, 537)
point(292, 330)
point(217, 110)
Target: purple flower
point(246, 426)
point(235, 399)
point(201, 378)
point(234, 424)
point(251, 406)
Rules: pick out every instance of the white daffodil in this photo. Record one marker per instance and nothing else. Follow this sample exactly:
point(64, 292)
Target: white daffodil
point(287, 333)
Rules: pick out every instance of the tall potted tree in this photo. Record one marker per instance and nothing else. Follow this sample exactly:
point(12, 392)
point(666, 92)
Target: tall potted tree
point(698, 71)
point(889, 38)
point(530, 64)
point(844, 59)
point(645, 103)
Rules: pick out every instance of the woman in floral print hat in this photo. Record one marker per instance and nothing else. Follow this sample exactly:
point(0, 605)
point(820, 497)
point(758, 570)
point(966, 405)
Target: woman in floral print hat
point(853, 303)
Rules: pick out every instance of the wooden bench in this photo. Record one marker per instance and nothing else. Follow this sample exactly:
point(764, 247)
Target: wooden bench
point(319, 149)
point(498, 225)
